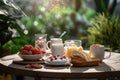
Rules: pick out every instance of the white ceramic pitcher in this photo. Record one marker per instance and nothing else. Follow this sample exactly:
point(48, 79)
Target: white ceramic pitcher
point(56, 46)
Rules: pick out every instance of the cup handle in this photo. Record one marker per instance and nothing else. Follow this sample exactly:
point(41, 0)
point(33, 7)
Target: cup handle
point(108, 49)
point(47, 45)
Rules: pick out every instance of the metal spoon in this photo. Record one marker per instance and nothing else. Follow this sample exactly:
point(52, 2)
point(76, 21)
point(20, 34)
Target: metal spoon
point(62, 34)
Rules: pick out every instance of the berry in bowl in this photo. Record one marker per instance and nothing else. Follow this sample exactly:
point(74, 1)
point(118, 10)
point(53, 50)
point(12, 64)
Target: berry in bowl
point(28, 52)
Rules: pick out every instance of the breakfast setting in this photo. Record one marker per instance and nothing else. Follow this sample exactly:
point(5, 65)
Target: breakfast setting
point(47, 58)
point(59, 40)
point(57, 53)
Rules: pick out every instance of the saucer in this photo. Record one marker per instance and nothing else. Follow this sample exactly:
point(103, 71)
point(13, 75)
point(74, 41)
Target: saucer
point(57, 61)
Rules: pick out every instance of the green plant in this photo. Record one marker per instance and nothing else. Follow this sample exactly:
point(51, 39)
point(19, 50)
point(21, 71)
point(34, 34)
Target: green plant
point(8, 26)
point(105, 29)
point(57, 19)
point(104, 6)
point(53, 22)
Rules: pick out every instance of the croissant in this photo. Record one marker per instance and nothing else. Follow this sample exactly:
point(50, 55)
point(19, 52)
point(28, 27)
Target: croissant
point(82, 59)
point(81, 54)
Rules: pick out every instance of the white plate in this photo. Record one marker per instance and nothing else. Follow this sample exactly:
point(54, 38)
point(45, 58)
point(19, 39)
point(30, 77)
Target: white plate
point(57, 62)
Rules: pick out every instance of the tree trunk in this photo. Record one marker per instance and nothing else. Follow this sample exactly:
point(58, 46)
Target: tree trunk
point(76, 5)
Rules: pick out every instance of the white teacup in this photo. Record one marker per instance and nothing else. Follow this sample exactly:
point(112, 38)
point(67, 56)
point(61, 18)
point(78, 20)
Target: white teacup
point(99, 51)
point(56, 46)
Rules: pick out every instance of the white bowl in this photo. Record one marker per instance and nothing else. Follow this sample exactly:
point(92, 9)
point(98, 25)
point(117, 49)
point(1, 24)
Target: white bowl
point(31, 57)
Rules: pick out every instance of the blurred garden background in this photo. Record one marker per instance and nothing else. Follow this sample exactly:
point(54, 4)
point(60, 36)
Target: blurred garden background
point(92, 21)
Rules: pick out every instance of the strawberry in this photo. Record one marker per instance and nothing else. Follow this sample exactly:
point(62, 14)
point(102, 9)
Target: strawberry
point(27, 47)
point(42, 52)
point(32, 49)
point(24, 52)
point(21, 49)
point(36, 51)
point(29, 52)
point(32, 66)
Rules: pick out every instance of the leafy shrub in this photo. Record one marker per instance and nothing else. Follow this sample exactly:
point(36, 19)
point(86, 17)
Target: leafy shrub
point(10, 29)
point(105, 29)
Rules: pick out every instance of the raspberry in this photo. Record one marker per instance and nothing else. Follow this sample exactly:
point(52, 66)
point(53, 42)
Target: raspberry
point(55, 57)
point(61, 58)
point(51, 59)
point(58, 55)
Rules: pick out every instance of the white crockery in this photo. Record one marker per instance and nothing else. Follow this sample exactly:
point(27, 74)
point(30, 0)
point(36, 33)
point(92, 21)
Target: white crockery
point(99, 51)
point(31, 57)
point(57, 62)
point(56, 46)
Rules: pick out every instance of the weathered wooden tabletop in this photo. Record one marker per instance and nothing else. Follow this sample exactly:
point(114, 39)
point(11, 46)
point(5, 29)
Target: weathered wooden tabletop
point(108, 68)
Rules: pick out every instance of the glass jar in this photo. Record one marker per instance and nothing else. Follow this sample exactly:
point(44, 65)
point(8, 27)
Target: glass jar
point(40, 41)
point(71, 46)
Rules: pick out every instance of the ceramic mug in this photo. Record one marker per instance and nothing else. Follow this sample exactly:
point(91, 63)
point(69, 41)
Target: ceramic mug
point(99, 51)
point(56, 46)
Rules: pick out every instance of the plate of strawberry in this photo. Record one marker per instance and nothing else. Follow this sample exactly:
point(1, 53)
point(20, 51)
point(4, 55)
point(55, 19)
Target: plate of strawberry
point(28, 52)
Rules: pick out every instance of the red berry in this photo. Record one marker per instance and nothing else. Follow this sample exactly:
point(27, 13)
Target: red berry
point(29, 52)
point(32, 65)
point(35, 51)
point(51, 59)
point(32, 49)
point(27, 47)
point(24, 52)
point(61, 58)
point(55, 57)
point(58, 55)
point(42, 52)
point(21, 49)
point(64, 57)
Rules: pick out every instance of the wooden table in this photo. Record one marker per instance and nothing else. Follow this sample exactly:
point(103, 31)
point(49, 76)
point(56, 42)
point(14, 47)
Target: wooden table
point(108, 68)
